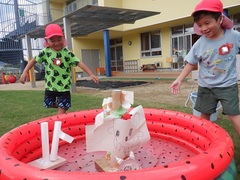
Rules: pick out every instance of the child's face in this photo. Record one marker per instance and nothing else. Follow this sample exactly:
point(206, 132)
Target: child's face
point(209, 26)
point(56, 42)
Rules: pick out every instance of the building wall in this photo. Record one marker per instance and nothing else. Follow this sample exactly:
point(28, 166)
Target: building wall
point(86, 44)
point(56, 10)
point(172, 13)
point(132, 52)
point(169, 10)
point(110, 3)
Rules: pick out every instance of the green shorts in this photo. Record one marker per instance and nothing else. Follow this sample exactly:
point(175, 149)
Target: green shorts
point(207, 100)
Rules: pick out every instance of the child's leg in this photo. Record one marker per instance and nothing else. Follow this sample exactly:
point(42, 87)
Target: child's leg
point(61, 110)
point(50, 99)
point(236, 123)
point(206, 102)
point(205, 116)
point(230, 104)
point(63, 102)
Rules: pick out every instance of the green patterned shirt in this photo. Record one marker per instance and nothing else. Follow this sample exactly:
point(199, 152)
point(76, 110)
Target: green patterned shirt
point(57, 68)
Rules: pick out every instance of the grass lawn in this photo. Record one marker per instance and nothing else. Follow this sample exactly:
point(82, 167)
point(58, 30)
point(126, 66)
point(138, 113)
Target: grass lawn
point(20, 107)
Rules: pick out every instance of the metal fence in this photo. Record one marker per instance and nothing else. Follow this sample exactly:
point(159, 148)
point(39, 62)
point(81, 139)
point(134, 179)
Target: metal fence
point(18, 17)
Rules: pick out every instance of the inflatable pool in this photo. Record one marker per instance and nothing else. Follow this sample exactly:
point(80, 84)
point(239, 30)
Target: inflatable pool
point(211, 146)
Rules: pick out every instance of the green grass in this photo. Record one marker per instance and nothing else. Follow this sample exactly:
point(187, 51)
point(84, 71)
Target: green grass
point(20, 107)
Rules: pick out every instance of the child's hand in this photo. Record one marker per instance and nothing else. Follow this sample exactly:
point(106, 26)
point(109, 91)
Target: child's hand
point(175, 87)
point(95, 78)
point(24, 77)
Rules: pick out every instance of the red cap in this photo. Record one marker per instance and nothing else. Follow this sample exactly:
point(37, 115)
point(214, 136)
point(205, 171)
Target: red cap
point(53, 30)
point(209, 5)
point(213, 6)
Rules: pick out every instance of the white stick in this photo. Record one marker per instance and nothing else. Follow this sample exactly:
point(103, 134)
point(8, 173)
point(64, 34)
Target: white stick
point(55, 140)
point(45, 141)
point(66, 137)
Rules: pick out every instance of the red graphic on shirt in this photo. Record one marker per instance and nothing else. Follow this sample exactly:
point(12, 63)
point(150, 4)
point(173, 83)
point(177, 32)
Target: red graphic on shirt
point(225, 49)
point(57, 61)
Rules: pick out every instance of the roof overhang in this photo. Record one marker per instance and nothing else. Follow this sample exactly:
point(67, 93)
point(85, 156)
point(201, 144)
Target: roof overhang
point(91, 19)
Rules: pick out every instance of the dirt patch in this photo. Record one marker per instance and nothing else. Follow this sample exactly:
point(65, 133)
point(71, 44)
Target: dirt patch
point(103, 85)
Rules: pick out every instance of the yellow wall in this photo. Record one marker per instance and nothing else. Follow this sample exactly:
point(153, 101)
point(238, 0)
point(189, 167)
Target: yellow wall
point(166, 46)
point(173, 13)
point(110, 3)
point(169, 10)
point(132, 52)
point(57, 10)
point(84, 44)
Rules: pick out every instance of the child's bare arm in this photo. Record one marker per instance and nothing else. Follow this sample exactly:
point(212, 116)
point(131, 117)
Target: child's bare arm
point(88, 71)
point(175, 86)
point(24, 75)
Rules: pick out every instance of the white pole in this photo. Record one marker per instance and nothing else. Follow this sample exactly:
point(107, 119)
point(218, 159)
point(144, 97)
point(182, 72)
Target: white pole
point(55, 140)
point(45, 141)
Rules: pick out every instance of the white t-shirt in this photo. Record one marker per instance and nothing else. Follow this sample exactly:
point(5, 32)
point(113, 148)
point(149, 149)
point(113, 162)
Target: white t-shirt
point(217, 59)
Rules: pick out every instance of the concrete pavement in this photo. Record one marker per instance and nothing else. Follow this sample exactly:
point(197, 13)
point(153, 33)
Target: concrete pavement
point(20, 86)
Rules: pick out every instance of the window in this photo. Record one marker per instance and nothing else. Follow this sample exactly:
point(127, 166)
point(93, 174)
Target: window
point(151, 44)
point(180, 43)
point(181, 38)
point(236, 20)
point(177, 30)
point(116, 54)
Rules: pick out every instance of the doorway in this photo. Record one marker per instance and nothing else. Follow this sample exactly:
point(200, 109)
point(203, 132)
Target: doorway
point(92, 60)
point(116, 54)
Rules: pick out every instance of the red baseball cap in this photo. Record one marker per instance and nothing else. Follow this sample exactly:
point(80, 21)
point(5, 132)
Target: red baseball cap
point(213, 6)
point(53, 30)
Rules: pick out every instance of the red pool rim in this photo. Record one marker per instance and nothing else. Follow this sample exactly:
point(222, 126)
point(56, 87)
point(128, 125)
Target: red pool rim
point(212, 144)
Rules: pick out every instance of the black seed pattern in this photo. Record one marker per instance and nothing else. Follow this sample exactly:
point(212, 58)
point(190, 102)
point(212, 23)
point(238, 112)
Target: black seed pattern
point(123, 177)
point(212, 165)
point(183, 177)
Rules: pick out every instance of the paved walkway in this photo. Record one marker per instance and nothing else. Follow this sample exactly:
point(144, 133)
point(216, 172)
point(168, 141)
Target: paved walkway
point(20, 86)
